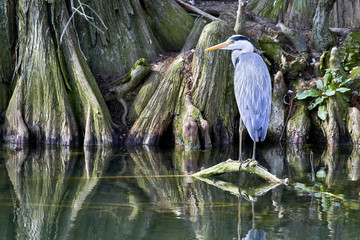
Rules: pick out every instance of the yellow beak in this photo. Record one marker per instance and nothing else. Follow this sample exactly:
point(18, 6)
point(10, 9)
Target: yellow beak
point(221, 45)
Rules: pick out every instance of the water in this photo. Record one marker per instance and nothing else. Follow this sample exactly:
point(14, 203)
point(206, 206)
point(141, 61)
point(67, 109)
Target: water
point(146, 194)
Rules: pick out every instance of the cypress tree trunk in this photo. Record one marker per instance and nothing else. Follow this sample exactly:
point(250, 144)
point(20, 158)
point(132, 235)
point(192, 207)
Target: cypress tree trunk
point(322, 37)
point(53, 83)
point(39, 106)
point(345, 14)
point(7, 42)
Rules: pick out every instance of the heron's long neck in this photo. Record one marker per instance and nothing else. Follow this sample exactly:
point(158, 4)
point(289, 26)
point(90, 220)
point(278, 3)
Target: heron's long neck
point(235, 56)
point(246, 47)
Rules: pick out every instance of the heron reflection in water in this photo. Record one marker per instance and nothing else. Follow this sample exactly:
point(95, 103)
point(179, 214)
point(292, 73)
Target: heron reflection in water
point(252, 86)
point(253, 233)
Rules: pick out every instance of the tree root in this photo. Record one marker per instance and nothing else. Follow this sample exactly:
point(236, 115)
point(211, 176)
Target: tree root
point(123, 117)
point(125, 85)
point(235, 166)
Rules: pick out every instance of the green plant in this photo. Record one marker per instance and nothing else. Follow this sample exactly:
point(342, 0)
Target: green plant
point(331, 84)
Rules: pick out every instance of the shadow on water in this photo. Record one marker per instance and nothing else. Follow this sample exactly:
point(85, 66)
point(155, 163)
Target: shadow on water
point(147, 193)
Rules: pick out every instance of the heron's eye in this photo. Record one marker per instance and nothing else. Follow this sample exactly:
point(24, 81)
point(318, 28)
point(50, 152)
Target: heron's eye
point(232, 41)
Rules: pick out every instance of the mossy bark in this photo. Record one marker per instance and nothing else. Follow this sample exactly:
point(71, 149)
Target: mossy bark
point(334, 128)
point(159, 111)
point(278, 108)
point(124, 85)
point(7, 42)
point(39, 106)
point(295, 14)
point(190, 128)
point(146, 91)
point(345, 13)
point(56, 97)
point(299, 14)
point(136, 29)
point(353, 125)
point(298, 126)
point(321, 35)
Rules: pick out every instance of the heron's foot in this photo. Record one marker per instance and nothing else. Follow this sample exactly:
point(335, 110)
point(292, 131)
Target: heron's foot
point(246, 162)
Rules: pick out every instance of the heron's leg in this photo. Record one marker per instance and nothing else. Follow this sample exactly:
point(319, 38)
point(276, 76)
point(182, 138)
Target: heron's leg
point(240, 142)
point(253, 158)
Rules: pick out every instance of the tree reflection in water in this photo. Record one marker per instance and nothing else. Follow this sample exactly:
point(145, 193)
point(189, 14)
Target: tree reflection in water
point(148, 193)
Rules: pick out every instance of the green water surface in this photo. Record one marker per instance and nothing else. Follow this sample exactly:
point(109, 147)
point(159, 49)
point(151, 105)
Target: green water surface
point(148, 194)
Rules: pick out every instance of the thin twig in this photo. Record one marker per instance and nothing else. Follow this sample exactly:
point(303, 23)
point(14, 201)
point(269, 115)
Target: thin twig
point(82, 9)
point(102, 22)
point(86, 17)
point(67, 24)
point(93, 24)
point(82, 13)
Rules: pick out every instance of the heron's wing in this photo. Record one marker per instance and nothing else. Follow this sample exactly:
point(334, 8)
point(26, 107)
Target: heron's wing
point(252, 85)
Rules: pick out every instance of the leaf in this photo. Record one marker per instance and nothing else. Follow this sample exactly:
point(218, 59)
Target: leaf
point(319, 85)
point(322, 113)
point(347, 81)
point(329, 92)
point(345, 98)
point(343, 90)
point(307, 93)
point(327, 78)
point(317, 102)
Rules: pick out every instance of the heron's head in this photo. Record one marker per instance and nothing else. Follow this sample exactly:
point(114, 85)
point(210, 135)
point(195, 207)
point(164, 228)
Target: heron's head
point(235, 42)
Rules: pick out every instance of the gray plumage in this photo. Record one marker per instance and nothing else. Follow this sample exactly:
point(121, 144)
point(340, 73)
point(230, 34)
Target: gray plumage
point(252, 85)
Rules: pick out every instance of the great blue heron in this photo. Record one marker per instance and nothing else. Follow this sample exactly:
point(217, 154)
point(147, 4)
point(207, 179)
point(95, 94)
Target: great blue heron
point(252, 85)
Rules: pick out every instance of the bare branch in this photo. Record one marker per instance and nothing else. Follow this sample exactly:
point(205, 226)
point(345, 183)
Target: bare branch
point(102, 22)
point(235, 166)
point(86, 18)
point(62, 34)
point(198, 11)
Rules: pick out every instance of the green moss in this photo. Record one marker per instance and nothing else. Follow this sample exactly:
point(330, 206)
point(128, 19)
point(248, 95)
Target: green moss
point(272, 49)
point(350, 51)
point(141, 62)
point(298, 126)
point(355, 73)
point(295, 68)
point(324, 62)
point(170, 23)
